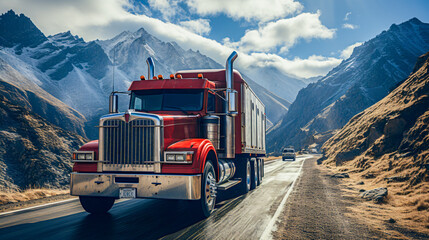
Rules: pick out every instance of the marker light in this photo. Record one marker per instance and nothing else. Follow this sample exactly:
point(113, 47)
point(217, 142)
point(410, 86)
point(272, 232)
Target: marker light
point(200, 75)
point(171, 76)
point(142, 78)
point(160, 77)
point(155, 78)
point(179, 76)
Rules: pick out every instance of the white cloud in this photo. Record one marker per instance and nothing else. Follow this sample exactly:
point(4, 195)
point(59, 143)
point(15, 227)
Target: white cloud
point(284, 33)
point(347, 52)
point(349, 26)
point(199, 26)
point(260, 10)
point(297, 67)
point(106, 18)
point(168, 8)
point(347, 17)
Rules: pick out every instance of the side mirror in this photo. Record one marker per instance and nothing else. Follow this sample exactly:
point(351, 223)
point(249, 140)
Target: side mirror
point(232, 102)
point(113, 103)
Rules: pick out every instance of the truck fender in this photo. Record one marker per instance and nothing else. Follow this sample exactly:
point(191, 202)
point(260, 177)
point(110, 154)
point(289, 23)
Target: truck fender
point(202, 149)
point(91, 146)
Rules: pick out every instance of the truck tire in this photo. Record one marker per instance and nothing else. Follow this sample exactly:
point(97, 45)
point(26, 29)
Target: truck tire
point(96, 205)
point(263, 167)
point(260, 170)
point(254, 174)
point(244, 171)
point(208, 190)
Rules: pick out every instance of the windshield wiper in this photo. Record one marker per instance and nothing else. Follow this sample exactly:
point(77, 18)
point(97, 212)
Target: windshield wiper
point(176, 107)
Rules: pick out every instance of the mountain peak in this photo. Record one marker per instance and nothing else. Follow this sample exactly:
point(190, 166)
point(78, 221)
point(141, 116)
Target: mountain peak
point(66, 38)
point(19, 31)
point(415, 21)
point(9, 13)
point(142, 32)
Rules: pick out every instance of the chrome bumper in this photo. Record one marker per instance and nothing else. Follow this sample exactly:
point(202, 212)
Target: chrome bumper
point(186, 187)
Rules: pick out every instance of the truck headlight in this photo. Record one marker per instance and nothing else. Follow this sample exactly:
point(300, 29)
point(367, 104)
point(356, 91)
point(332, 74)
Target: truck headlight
point(179, 157)
point(171, 157)
point(83, 156)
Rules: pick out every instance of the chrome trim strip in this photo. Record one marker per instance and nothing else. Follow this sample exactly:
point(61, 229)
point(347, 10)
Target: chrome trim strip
point(86, 161)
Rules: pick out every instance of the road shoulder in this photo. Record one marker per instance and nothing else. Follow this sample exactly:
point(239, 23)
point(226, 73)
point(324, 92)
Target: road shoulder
point(318, 209)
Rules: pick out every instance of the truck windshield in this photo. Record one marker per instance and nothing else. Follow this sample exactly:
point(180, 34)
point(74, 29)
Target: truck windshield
point(167, 100)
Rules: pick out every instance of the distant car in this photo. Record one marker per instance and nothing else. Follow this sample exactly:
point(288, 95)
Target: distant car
point(288, 153)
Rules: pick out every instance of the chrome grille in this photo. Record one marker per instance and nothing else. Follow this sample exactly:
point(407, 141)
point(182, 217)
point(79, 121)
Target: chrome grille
point(129, 143)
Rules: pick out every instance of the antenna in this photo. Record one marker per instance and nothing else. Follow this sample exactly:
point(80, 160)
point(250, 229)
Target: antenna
point(114, 64)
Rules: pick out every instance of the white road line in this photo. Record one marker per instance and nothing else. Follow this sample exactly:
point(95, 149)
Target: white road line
point(270, 226)
point(38, 206)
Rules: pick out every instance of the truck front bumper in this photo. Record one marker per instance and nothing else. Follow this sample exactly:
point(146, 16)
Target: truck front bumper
point(162, 186)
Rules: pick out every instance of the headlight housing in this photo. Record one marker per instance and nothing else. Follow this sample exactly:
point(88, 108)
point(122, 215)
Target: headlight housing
point(178, 157)
point(83, 156)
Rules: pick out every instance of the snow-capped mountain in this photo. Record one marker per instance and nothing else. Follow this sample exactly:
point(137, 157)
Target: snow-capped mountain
point(271, 78)
point(367, 76)
point(80, 73)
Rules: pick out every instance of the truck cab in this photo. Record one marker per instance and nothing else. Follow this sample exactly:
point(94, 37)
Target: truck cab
point(184, 137)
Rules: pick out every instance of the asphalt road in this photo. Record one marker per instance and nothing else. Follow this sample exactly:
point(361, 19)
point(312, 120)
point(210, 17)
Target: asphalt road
point(251, 216)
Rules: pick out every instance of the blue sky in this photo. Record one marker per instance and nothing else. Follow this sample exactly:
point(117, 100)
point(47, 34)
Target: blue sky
point(302, 38)
point(368, 17)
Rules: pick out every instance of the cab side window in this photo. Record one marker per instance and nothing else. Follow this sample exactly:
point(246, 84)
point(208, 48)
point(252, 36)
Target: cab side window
point(211, 103)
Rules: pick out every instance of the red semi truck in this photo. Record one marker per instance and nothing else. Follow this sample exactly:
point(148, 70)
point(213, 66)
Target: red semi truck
point(186, 138)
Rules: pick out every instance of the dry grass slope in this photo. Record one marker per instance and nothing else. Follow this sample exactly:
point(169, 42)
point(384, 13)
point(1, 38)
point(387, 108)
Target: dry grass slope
point(387, 145)
point(13, 196)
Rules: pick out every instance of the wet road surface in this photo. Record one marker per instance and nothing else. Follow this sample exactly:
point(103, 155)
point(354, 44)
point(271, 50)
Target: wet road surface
point(236, 217)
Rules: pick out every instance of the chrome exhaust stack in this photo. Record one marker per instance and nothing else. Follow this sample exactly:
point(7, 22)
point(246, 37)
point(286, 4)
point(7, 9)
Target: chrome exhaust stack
point(150, 68)
point(230, 111)
point(231, 94)
point(113, 103)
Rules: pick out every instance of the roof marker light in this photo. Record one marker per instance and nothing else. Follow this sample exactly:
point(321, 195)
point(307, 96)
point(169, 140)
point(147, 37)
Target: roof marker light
point(171, 76)
point(179, 76)
point(160, 77)
point(142, 77)
point(200, 75)
point(155, 78)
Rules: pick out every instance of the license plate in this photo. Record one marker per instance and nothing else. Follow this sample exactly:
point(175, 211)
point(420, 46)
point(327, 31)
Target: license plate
point(127, 193)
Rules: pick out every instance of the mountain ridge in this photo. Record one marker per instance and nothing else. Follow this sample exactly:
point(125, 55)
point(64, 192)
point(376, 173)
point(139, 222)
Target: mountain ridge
point(358, 82)
point(79, 73)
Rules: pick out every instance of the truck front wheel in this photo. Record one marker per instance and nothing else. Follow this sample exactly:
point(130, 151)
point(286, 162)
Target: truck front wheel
point(96, 205)
point(208, 190)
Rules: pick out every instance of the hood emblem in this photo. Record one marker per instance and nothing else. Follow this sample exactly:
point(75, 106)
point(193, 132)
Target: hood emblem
point(127, 117)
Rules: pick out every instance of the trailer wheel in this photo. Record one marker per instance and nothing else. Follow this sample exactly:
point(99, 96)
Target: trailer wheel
point(96, 205)
point(263, 168)
point(254, 174)
point(260, 170)
point(208, 190)
point(244, 171)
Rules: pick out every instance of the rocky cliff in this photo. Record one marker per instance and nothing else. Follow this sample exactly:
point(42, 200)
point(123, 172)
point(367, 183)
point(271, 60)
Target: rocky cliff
point(33, 151)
